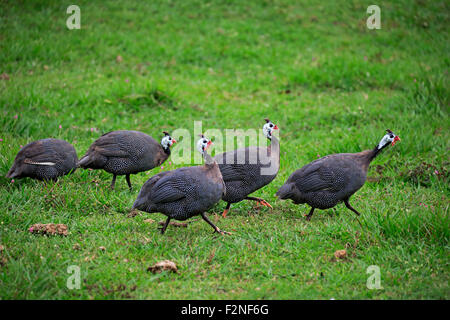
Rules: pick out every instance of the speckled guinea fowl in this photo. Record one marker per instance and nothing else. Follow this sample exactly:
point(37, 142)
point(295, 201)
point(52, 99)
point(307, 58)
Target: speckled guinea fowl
point(126, 152)
point(325, 182)
point(184, 192)
point(45, 159)
point(244, 170)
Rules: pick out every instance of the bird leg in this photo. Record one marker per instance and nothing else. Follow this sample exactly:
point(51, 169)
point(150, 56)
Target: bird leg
point(347, 204)
point(164, 227)
point(216, 229)
point(260, 201)
point(128, 181)
point(113, 182)
point(224, 214)
point(309, 215)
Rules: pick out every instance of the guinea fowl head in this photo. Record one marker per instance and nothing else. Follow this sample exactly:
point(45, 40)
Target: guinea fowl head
point(167, 141)
point(389, 138)
point(203, 143)
point(268, 128)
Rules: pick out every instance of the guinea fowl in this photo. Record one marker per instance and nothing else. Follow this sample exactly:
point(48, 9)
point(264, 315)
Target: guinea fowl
point(185, 192)
point(242, 179)
point(325, 182)
point(126, 152)
point(45, 159)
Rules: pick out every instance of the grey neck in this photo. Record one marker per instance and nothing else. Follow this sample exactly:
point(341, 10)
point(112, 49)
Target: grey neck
point(208, 159)
point(275, 144)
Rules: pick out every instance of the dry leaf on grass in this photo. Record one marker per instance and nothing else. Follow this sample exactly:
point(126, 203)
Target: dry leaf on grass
point(163, 265)
point(4, 76)
point(119, 59)
point(149, 220)
point(49, 229)
point(340, 254)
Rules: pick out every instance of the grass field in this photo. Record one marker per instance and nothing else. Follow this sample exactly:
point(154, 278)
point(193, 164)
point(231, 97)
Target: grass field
point(314, 68)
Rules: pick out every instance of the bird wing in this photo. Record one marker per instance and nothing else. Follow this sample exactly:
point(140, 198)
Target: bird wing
point(169, 188)
point(109, 146)
point(235, 172)
point(38, 153)
point(321, 176)
point(239, 171)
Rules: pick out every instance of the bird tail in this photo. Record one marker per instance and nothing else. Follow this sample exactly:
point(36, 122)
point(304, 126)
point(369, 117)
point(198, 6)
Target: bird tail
point(285, 192)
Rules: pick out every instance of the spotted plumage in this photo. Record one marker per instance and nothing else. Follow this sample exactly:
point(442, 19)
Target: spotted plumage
point(183, 193)
point(45, 159)
point(327, 181)
point(126, 152)
point(249, 169)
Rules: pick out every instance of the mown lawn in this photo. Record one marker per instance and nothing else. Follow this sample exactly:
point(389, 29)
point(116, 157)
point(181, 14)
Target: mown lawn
point(313, 68)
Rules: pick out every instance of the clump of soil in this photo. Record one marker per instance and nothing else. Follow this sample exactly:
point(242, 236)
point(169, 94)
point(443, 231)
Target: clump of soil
point(49, 229)
point(163, 265)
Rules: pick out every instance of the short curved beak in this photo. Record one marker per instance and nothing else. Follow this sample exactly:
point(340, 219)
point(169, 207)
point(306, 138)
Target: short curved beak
point(209, 143)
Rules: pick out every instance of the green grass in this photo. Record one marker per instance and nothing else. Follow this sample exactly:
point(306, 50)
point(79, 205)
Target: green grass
point(328, 82)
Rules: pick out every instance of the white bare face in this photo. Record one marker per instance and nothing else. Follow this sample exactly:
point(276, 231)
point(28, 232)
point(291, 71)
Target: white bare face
point(167, 141)
point(268, 129)
point(389, 137)
point(202, 144)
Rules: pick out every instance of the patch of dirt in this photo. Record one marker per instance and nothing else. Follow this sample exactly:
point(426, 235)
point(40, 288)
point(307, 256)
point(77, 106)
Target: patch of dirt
point(49, 229)
point(163, 265)
point(133, 213)
point(423, 173)
point(3, 259)
point(175, 224)
point(379, 169)
point(121, 289)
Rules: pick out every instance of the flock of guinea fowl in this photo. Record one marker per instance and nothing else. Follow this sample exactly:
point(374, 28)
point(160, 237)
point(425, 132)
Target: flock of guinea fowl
point(189, 191)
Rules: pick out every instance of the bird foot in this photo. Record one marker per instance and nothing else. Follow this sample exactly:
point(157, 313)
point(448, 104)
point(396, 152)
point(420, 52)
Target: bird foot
point(222, 232)
point(224, 214)
point(308, 217)
point(265, 203)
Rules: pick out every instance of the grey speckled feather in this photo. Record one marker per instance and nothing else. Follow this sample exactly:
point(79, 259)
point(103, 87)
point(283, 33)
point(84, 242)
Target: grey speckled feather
point(45, 159)
point(325, 182)
point(124, 152)
point(183, 193)
point(244, 179)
